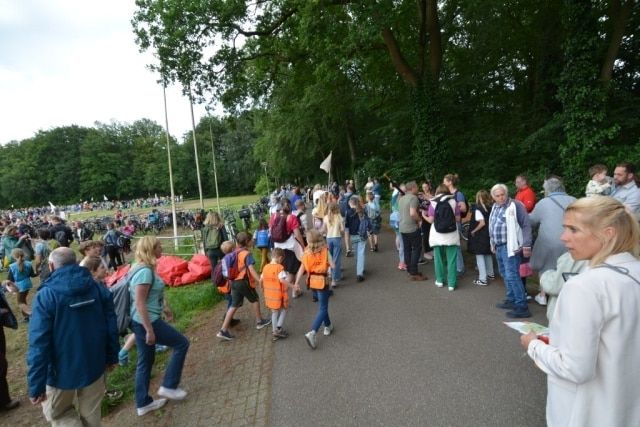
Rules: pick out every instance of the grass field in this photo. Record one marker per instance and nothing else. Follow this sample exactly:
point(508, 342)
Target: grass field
point(234, 202)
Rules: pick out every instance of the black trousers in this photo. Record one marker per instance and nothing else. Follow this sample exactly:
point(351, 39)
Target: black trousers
point(412, 243)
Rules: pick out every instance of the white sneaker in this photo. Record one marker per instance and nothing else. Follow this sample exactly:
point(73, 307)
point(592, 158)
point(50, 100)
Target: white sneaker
point(541, 299)
point(451, 289)
point(438, 284)
point(172, 393)
point(328, 330)
point(311, 339)
point(156, 404)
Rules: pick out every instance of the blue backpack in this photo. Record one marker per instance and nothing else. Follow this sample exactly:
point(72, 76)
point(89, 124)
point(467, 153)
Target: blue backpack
point(262, 239)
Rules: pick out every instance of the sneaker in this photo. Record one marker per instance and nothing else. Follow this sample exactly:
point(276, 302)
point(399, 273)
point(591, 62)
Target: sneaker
point(402, 266)
point(428, 256)
point(161, 348)
point(281, 333)
point(480, 282)
point(491, 277)
point(417, 277)
point(234, 322)
point(225, 335)
point(422, 261)
point(519, 314)
point(172, 393)
point(541, 299)
point(311, 339)
point(328, 330)
point(439, 284)
point(333, 285)
point(156, 404)
point(505, 305)
point(123, 357)
point(360, 278)
point(451, 289)
point(262, 323)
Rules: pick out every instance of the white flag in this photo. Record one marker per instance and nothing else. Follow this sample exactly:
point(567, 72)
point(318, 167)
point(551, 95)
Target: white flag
point(326, 163)
point(53, 207)
point(105, 198)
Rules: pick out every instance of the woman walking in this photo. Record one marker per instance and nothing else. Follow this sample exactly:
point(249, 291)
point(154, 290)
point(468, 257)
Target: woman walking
point(147, 307)
point(359, 227)
point(333, 227)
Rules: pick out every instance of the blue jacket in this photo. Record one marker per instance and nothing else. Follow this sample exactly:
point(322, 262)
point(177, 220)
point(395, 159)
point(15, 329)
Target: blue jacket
point(72, 332)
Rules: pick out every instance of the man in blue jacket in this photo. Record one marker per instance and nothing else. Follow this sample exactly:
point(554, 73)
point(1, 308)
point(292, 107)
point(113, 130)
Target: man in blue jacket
point(73, 340)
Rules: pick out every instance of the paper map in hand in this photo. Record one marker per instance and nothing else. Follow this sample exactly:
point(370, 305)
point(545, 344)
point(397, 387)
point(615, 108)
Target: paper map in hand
point(526, 327)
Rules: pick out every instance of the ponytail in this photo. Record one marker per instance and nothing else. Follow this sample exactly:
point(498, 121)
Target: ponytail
point(18, 255)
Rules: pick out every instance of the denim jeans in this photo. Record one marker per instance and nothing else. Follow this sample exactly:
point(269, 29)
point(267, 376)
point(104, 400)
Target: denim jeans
point(165, 335)
point(509, 267)
point(485, 266)
point(358, 246)
point(412, 244)
point(323, 310)
point(335, 249)
point(400, 246)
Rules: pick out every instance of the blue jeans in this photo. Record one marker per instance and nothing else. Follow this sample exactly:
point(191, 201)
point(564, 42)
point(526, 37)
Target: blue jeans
point(485, 266)
point(165, 335)
point(323, 310)
point(358, 246)
point(509, 267)
point(335, 249)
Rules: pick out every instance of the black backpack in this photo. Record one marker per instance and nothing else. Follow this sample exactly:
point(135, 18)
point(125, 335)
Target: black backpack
point(62, 238)
point(444, 218)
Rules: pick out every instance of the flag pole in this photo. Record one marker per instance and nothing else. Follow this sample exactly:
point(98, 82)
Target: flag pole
point(215, 171)
point(173, 197)
point(195, 149)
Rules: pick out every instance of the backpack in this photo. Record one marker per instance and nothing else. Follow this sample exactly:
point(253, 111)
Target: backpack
point(232, 264)
point(262, 239)
point(111, 238)
point(364, 227)
point(218, 277)
point(61, 238)
point(444, 218)
point(48, 247)
point(122, 300)
point(279, 232)
point(212, 237)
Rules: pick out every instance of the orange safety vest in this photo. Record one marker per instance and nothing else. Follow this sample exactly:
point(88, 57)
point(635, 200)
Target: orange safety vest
point(244, 272)
point(316, 264)
point(275, 293)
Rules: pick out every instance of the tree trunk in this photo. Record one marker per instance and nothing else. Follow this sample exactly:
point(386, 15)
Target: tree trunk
point(618, 17)
point(351, 142)
point(435, 40)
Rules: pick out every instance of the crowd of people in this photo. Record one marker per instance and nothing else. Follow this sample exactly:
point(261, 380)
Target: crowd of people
point(585, 253)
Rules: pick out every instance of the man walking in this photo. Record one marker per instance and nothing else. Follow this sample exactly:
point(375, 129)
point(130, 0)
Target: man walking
point(410, 229)
point(73, 339)
point(510, 236)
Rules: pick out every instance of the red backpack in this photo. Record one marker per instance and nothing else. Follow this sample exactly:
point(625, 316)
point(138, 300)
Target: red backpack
point(279, 232)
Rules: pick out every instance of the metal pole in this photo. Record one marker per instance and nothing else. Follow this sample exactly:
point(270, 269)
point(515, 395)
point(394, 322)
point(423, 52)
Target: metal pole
point(173, 197)
point(266, 176)
point(195, 149)
point(215, 171)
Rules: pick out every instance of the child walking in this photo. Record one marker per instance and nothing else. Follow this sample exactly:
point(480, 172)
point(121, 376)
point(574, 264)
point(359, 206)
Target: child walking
point(275, 287)
point(316, 262)
point(261, 237)
point(20, 274)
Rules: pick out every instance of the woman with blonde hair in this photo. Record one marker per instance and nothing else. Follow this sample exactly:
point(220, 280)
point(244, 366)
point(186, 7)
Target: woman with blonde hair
point(213, 234)
point(148, 304)
point(320, 211)
point(333, 227)
point(591, 360)
point(479, 243)
point(316, 262)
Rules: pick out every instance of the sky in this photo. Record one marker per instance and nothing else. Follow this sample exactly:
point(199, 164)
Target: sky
point(66, 62)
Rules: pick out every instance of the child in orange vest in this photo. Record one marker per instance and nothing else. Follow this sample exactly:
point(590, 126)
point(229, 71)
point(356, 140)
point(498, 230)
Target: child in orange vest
point(275, 285)
point(316, 262)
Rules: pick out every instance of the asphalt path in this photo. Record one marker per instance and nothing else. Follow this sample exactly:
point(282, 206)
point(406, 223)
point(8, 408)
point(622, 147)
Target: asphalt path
point(406, 353)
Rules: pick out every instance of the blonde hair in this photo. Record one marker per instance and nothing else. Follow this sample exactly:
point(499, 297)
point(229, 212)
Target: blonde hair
point(321, 208)
point(91, 263)
point(227, 246)
point(333, 212)
point(483, 198)
point(18, 255)
point(598, 213)
point(145, 250)
point(315, 241)
point(212, 219)
point(9, 230)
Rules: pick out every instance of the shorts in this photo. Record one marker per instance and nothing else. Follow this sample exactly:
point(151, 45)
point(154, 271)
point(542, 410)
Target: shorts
point(290, 263)
point(240, 289)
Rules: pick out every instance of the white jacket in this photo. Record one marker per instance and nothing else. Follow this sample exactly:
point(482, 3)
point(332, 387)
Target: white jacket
point(443, 239)
point(593, 360)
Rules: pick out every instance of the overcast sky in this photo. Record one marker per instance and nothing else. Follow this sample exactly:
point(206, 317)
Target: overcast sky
point(65, 62)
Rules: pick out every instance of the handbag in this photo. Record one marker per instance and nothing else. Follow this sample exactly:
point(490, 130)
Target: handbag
point(526, 270)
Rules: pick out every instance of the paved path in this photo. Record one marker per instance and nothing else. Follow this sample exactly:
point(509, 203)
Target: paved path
point(406, 353)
